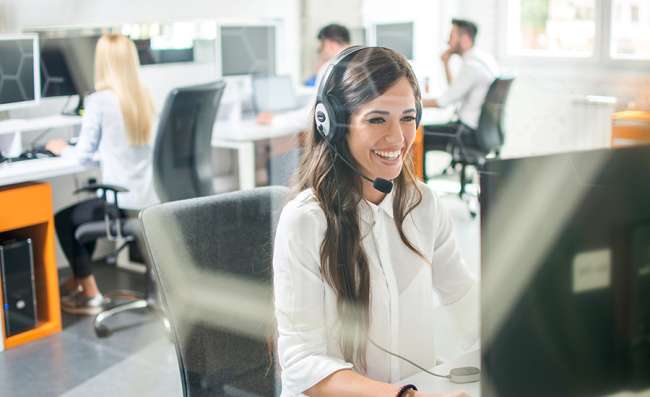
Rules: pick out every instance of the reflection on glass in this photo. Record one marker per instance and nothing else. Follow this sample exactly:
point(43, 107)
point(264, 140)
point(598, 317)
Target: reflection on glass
point(630, 29)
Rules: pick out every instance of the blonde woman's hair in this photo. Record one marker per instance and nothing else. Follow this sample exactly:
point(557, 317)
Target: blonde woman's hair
point(117, 69)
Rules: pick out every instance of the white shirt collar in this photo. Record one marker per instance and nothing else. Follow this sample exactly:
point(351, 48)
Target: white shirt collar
point(369, 211)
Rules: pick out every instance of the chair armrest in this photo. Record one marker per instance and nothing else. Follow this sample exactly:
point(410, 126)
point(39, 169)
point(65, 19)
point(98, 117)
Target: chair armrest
point(102, 187)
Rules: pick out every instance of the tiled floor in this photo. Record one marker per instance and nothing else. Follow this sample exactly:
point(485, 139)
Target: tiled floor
point(71, 362)
point(138, 360)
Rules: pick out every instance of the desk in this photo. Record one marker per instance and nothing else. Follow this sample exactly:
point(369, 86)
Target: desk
point(241, 136)
point(27, 213)
point(434, 385)
point(38, 169)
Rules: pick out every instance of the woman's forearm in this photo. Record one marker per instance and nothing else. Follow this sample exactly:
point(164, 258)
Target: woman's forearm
point(347, 383)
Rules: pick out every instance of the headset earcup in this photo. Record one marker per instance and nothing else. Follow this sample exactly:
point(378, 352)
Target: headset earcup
point(339, 119)
point(323, 119)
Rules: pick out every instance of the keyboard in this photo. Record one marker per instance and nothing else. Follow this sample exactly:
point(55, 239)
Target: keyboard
point(37, 153)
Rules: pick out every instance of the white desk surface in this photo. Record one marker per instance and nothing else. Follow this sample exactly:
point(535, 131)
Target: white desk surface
point(433, 385)
point(38, 169)
point(247, 130)
point(39, 123)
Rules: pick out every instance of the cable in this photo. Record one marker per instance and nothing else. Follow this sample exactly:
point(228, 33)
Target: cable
point(66, 105)
point(32, 143)
point(408, 361)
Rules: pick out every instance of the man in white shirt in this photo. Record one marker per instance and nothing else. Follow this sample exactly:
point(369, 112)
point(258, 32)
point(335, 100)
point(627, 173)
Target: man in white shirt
point(467, 90)
point(333, 39)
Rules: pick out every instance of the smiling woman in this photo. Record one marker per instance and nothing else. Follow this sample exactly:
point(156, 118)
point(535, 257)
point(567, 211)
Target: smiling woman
point(355, 264)
point(381, 134)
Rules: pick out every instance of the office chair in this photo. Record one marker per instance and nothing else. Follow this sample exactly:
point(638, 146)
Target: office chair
point(182, 167)
point(212, 257)
point(489, 135)
point(182, 155)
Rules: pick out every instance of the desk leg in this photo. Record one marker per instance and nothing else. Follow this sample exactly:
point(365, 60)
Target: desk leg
point(246, 159)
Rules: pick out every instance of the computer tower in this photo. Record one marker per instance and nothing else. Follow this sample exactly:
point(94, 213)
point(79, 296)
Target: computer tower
point(19, 295)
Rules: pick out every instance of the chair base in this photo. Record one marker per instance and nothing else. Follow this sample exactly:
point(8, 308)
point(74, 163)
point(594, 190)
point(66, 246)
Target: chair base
point(102, 331)
point(470, 198)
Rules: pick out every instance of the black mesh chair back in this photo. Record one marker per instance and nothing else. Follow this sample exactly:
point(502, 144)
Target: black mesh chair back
point(213, 261)
point(490, 133)
point(182, 159)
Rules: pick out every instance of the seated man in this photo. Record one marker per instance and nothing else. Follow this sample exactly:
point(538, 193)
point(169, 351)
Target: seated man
point(468, 89)
point(332, 39)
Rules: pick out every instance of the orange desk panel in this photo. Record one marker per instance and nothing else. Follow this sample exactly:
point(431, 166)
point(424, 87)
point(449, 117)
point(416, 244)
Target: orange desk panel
point(418, 153)
point(630, 128)
point(26, 211)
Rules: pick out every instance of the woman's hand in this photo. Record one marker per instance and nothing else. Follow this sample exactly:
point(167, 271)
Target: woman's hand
point(56, 146)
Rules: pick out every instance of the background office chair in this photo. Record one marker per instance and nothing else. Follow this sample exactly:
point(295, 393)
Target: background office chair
point(182, 166)
point(213, 260)
point(489, 134)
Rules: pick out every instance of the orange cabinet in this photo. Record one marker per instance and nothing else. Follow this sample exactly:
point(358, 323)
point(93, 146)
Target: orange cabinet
point(26, 211)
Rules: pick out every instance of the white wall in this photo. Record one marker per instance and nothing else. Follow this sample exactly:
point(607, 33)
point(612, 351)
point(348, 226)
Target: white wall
point(24, 14)
point(542, 114)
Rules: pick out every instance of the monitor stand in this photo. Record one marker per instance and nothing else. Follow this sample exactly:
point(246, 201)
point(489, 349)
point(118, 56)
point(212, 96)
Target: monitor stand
point(78, 111)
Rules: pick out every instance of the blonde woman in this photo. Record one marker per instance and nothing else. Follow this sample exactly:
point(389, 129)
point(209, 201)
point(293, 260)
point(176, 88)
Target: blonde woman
point(116, 129)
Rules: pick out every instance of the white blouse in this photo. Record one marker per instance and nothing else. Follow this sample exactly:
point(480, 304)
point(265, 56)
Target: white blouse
point(402, 288)
point(129, 166)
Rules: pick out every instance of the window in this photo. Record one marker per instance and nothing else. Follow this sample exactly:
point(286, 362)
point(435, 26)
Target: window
point(599, 30)
point(630, 38)
point(552, 27)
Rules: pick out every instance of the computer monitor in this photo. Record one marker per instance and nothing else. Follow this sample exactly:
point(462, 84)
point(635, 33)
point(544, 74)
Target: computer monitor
point(396, 36)
point(274, 94)
point(565, 247)
point(67, 65)
point(247, 50)
point(19, 77)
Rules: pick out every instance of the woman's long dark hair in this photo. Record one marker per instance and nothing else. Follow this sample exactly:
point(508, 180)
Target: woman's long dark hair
point(344, 264)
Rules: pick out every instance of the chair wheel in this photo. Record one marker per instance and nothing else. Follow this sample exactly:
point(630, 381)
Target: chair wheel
point(102, 331)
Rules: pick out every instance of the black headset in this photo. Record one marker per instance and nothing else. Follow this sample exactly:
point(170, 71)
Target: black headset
point(330, 116)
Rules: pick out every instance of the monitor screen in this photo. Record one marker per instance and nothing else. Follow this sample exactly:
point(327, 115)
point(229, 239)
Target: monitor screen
point(67, 65)
point(247, 50)
point(19, 78)
point(565, 248)
point(396, 36)
point(274, 94)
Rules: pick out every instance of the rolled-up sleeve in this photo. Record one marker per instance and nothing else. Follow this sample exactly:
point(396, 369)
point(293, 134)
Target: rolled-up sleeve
point(299, 294)
point(460, 87)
